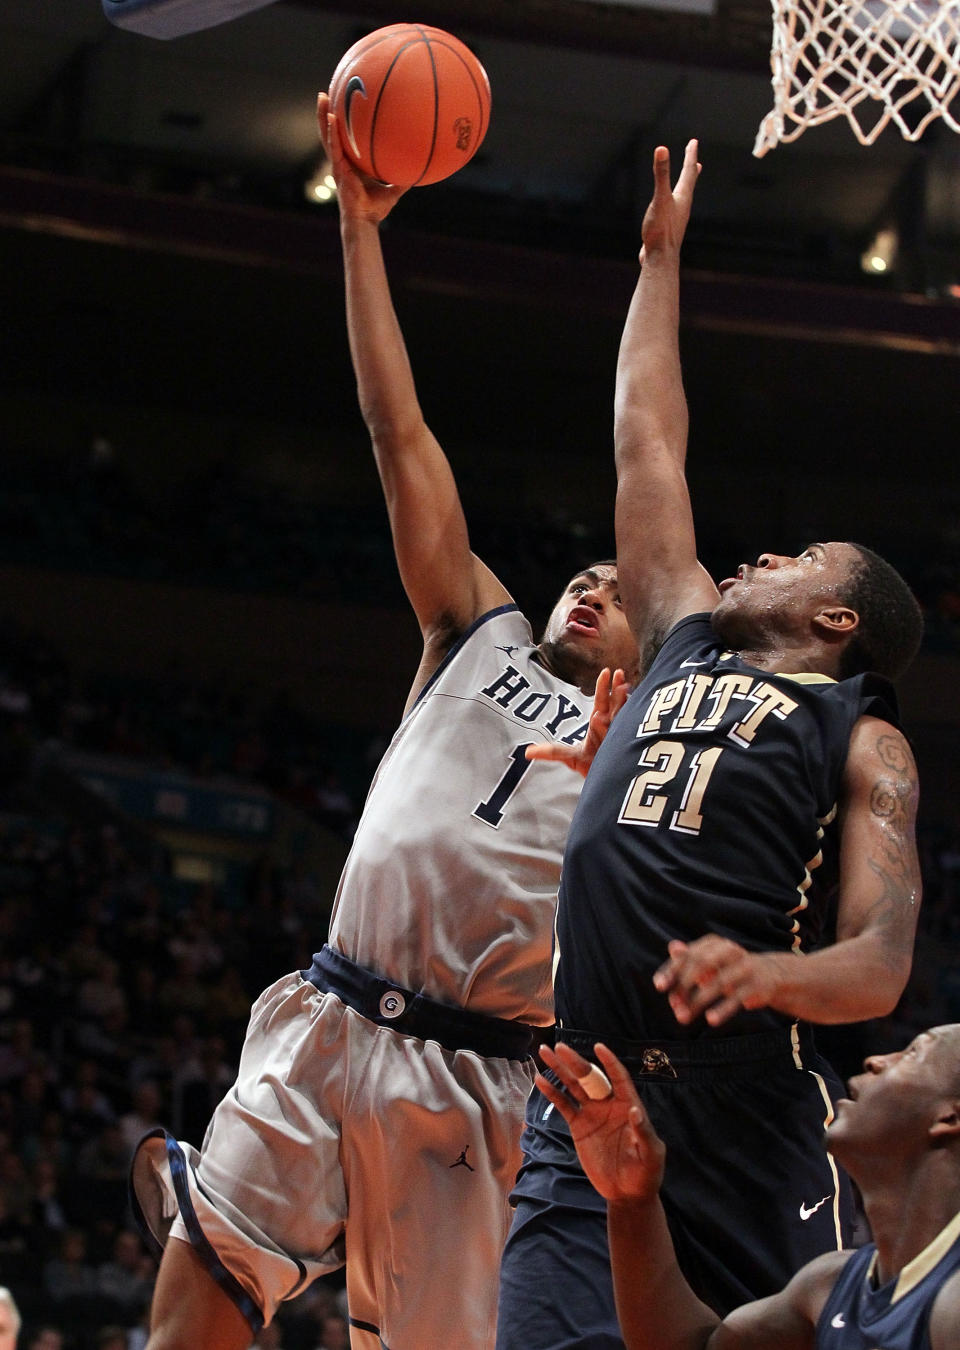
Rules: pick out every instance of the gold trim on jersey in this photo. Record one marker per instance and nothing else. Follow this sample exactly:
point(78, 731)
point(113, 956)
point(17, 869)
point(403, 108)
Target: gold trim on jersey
point(805, 677)
point(921, 1265)
point(804, 885)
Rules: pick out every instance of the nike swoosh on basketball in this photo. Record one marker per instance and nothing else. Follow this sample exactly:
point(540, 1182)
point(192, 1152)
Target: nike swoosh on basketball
point(355, 85)
point(805, 1213)
point(837, 1320)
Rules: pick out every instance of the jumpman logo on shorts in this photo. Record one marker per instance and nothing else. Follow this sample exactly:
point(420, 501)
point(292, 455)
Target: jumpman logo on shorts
point(509, 650)
point(462, 1160)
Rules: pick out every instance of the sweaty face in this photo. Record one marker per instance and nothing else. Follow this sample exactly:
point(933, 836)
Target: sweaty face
point(892, 1104)
point(780, 594)
point(588, 628)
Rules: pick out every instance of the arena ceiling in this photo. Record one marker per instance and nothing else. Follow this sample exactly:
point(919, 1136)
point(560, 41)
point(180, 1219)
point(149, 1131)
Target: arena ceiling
point(158, 242)
point(582, 91)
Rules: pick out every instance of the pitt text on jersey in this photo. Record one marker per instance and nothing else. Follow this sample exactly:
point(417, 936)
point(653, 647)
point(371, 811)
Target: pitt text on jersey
point(684, 708)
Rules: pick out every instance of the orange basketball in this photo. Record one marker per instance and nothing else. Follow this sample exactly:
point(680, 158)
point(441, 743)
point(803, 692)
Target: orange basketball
point(412, 103)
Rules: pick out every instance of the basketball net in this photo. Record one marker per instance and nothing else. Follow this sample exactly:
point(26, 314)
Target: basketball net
point(870, 61)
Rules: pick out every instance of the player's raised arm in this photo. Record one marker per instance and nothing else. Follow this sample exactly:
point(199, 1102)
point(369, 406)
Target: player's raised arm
point(447, 586)
point(660, 577)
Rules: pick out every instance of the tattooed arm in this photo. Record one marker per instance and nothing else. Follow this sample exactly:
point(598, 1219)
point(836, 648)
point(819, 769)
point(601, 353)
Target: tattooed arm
point(864, 973)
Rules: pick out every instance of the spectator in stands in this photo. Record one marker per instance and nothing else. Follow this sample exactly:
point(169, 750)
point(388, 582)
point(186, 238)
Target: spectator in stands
point(127, 1278)
point(70, 1275)
point(46, 1337)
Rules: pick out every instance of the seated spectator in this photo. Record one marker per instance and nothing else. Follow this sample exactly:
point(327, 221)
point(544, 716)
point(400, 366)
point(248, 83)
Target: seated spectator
point(127, 1278)
point(70, 1275)
point(111, 1338)
point(45, 1338)
point(145, 1111)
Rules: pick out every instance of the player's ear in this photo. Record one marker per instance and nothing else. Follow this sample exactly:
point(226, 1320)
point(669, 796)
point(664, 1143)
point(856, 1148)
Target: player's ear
point(946, 1128)
point(836, 620)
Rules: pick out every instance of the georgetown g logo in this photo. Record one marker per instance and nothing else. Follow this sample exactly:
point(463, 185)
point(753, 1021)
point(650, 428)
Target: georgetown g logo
point(392, 1004)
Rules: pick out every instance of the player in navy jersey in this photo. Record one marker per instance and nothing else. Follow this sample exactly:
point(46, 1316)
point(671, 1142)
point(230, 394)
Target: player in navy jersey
point(897, 1133)
point(757, 767)
point(377, 1112)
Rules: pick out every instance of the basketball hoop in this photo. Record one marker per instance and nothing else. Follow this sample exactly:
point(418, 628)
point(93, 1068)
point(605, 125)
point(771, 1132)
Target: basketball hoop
point(870, 61)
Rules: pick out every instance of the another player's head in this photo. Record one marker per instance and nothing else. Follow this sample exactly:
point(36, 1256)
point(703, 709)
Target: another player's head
point(840, 601)
point(9, 1320)
point(588, 629)
point(901, 1107)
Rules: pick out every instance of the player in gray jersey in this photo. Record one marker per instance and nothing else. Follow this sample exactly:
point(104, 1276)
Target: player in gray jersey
point(377, 1111)
point(897, 1133)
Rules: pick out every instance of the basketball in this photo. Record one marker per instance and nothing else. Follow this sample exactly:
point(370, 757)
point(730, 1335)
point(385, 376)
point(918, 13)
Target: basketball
point(412, 103)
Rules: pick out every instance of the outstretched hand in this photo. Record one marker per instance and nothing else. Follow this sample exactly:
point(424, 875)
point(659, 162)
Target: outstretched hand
point(665, 221)
point(609, 697)
point(357, 194)
point(716, 978)
point(618, 1148)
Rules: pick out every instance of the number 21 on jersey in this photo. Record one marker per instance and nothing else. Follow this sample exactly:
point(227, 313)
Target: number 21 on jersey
point(663, 764)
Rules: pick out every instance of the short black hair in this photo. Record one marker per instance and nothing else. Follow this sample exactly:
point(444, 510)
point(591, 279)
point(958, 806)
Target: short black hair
point(891, 621)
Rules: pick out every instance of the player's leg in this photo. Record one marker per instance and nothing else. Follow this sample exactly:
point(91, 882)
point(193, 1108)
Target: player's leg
point(750, 1193)
point(556, 1291)
point(190, 1309)
point(430, 1155)
point(260, 1211)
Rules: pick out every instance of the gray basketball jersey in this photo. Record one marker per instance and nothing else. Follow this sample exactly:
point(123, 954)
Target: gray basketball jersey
point(450, 887)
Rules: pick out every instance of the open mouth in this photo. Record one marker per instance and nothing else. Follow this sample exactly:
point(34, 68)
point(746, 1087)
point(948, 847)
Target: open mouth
point(583, 619)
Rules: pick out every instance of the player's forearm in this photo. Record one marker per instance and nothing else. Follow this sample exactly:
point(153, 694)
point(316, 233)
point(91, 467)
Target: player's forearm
point(650, 408)
point(385, 385)
point(855, 979)
point(657, 1308)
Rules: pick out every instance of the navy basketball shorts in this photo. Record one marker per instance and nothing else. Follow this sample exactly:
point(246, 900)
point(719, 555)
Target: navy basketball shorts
point(749, 1191)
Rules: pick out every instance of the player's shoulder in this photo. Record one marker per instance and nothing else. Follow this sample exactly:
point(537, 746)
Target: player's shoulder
point(810, 1288)
point(945, 1314)
point(690, 637)
point(877, 745)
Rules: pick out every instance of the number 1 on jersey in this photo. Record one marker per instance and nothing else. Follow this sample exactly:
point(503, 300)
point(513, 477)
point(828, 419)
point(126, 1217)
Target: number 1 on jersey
point(491, 811)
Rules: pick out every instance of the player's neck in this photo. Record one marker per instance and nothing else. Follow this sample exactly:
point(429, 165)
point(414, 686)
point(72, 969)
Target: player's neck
point(784, 659)
point(571, 671)
point(905, 1219)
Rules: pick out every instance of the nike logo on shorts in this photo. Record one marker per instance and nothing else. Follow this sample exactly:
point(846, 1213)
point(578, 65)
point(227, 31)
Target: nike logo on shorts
point(805, 1213)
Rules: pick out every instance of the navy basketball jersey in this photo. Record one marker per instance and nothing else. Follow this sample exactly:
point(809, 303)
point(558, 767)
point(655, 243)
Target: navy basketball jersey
point(707, 810)
point(895, 1316)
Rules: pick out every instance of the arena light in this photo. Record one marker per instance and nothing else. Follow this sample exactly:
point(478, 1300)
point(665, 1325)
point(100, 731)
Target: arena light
point(321, 187)
point(880, 255)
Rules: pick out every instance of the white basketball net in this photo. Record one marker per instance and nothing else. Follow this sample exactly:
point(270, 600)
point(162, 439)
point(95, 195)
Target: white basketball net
point(870, 61)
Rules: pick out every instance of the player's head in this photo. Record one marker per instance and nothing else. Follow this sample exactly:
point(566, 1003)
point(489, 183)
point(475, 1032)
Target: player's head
point(588, 629)
point(9, 1320)
point(902, 1106)
point(842, 596)
point(891, 622)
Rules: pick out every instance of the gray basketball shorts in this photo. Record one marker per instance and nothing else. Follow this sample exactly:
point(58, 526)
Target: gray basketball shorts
point(347, 1141)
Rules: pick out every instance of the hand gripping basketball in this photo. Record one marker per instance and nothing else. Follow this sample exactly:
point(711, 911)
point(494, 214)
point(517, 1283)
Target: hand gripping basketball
point(412, 103)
